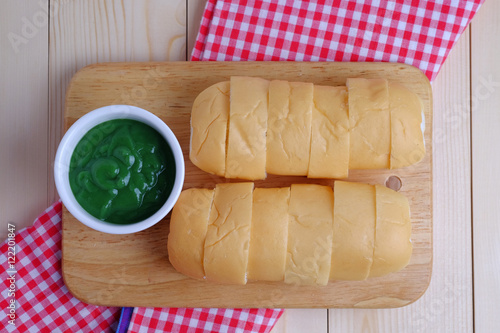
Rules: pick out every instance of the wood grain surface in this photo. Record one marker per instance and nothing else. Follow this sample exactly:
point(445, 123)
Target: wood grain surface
point(24, 124)
point(133, 270)
point(447, 304)
point(87, 32)
point(485, 101)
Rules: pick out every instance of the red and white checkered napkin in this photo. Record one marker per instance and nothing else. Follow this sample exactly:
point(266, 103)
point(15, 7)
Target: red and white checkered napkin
point(419, 33)
point(44, 304)
point(203, 320)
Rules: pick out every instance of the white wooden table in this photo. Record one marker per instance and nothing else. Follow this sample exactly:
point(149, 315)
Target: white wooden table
point(43, 44)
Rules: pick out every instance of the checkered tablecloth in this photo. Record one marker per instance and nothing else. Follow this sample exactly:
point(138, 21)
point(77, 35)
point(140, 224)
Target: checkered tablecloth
point(203, 320)
point(44, 304)
point(420, 33)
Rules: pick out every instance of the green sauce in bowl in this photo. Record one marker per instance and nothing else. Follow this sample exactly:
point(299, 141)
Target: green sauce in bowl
point(122, 171)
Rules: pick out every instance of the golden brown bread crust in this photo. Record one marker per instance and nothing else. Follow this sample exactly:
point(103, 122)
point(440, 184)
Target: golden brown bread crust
point(356, 232)
point(249, 127)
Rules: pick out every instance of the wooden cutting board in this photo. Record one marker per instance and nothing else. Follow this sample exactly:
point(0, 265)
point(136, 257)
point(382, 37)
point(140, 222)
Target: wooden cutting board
point(133, 270)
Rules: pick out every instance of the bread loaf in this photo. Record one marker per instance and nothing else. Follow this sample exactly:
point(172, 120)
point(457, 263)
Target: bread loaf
point(303, 234)
point(248, 127)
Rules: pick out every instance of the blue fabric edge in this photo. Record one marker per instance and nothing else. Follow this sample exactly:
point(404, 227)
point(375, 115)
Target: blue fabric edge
point(124, 322)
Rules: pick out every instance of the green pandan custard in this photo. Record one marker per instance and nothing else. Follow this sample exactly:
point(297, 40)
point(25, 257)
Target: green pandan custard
point(122, 171)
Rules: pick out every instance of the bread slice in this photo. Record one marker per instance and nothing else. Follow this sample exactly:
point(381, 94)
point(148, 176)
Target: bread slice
point(246, 145)
point(188, 229)
point(228, 234)
point(370, 123)
point(269, 234)
point(393, 246)
point(309, 235)
point(353, 231)
point(407, 132)
point(289, 128)
point(209, 119)
point(329, 133)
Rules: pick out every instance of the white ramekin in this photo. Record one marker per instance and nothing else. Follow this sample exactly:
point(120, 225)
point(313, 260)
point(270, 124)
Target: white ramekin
point(75, 134)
